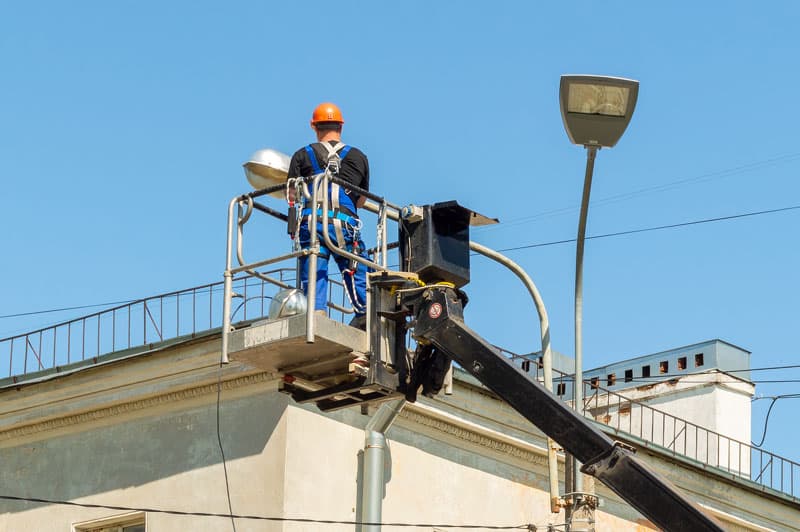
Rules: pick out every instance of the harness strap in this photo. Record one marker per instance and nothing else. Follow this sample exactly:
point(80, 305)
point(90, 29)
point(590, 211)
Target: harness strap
point(333, 151)
point(337, 223)
point(340, 151)
point(313, 158)
point(342, 215)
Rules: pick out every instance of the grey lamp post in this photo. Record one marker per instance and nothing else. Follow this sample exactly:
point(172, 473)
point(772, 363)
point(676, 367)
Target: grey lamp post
point(595, 110)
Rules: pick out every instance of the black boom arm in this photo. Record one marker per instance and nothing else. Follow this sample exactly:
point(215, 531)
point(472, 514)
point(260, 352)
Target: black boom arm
point(439, 321)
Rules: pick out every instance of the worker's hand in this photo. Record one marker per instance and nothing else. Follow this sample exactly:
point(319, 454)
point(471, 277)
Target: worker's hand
point(292, 193)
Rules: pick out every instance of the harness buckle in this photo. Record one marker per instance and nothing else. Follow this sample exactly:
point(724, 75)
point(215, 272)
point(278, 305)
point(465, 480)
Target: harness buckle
point(334, 162)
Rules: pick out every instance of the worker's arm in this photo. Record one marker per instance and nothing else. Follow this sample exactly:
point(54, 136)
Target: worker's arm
point(294, 172)
point(364, 182)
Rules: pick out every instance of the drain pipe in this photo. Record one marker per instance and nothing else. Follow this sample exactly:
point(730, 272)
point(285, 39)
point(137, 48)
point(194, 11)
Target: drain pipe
point(374, 463)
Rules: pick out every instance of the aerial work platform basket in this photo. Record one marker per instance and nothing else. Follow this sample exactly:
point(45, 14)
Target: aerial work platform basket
point(325, 372)
point(319, 360)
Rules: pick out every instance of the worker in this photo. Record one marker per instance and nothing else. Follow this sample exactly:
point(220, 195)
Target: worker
point(344, 228)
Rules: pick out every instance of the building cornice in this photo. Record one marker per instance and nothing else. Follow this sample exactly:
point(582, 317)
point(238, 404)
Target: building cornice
point(130, 407)
point(446, 424)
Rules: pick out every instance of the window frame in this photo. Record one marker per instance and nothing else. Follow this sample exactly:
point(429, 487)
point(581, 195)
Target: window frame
point(114, 523)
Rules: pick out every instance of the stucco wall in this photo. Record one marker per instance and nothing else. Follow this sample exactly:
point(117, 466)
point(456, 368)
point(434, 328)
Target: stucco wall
point(167, 457)
point(142, 433)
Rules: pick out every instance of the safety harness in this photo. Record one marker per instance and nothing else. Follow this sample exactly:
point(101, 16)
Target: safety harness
point(339, 213)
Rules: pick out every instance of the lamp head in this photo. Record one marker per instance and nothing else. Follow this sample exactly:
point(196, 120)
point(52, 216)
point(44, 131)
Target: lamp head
point(287, 303)
point(596, 110)
point(266, 168)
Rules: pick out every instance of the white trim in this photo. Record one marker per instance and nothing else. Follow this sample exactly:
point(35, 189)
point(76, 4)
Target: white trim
point(119, 520)
point(734, 520)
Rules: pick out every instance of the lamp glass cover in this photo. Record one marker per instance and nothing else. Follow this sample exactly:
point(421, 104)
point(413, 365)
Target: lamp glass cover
point(593, 99)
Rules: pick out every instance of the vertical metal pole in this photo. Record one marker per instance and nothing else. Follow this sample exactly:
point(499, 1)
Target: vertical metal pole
point(384, 242)
point(129, 329)
point(228, 289)
point(591, 153)
point(313, 246)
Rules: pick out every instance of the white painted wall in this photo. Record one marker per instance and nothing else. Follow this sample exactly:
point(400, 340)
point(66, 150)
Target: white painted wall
point(474, 462)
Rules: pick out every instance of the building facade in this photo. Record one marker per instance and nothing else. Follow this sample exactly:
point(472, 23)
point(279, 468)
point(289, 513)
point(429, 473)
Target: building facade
point(135, 441)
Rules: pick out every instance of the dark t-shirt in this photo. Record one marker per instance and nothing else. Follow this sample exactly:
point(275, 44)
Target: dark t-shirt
point(354, 167)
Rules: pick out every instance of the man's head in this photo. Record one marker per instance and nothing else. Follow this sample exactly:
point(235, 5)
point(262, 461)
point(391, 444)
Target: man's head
point(327, 121)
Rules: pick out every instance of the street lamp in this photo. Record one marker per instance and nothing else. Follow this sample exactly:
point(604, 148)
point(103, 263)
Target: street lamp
point(595, 110)
point(267, 168)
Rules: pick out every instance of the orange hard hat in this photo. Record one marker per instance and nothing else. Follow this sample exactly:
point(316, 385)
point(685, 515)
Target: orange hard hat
point(327, 112)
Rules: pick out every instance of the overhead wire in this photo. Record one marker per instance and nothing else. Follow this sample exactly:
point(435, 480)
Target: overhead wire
point(7, 334)
point(657, 380)
point(626, 195)
point(655, 228)
point(769, 411)
point(221, 448)
point(742, 370)
point(526, 526)
point(655, 188)
point(515, 248)
point(667, 376)
point(62, 309)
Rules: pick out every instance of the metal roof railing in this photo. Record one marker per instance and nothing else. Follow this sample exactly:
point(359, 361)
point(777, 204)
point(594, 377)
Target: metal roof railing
point(689, 440)
point(139, 324)
point(673, 435)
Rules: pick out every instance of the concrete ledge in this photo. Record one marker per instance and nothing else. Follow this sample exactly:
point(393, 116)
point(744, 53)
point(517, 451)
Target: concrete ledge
point(280, 346)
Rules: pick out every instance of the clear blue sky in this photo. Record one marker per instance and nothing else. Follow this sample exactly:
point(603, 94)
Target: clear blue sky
point(123, 126)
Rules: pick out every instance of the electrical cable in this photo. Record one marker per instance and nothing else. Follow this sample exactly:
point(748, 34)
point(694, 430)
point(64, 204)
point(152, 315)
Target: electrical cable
point(35, 312)
point(672, 375)
point(769, 411)
point(687, 380)
point(261, 517)
point(766, 423)
point(126, 302)
point(656, 188)
point(210, 291)
point(655, 228)
point(222, 449)
point(517, 248)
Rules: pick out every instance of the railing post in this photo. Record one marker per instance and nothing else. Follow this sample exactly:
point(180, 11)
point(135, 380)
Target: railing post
point(228, 286)
point(313, 246)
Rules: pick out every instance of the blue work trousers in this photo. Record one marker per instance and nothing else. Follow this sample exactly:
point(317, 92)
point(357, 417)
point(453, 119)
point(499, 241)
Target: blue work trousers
point(355, 282)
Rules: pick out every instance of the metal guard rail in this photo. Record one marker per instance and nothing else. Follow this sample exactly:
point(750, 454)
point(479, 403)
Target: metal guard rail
point(677, 436)
point(319, 197)
point(141, 323)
